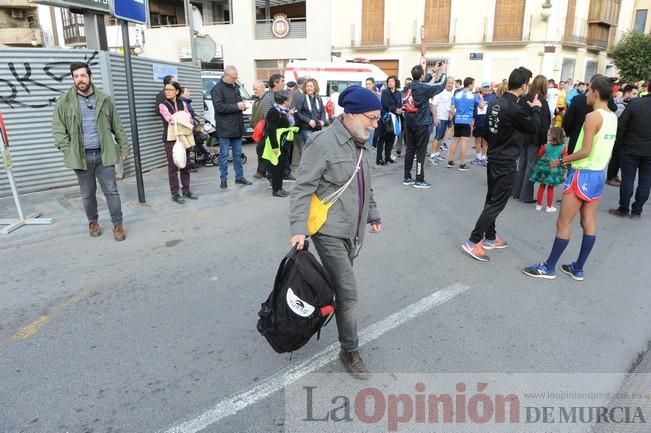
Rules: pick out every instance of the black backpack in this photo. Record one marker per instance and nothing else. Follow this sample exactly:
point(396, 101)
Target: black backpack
point(300, 303)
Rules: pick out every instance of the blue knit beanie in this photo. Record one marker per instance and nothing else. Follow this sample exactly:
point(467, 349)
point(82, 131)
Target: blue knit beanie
point(357, 99)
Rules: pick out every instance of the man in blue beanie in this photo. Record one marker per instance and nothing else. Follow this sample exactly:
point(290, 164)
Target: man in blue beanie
point(422, 88)
point(335, 161)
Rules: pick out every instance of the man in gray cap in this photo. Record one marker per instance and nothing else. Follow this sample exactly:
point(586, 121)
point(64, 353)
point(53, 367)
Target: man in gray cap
point(334, 159)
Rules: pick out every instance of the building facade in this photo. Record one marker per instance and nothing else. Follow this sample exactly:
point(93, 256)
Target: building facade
point(19, 24)
point(559, 38)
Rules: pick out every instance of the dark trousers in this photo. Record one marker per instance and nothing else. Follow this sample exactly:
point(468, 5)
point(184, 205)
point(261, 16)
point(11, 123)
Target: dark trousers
point(523, 187)
point(172, 171)
point(632, 165)
point(613, 165)
point(262, 163)
point(278, 172)
point(384, 147)
point(105, 175)
point(501, 176)
point(417, 138)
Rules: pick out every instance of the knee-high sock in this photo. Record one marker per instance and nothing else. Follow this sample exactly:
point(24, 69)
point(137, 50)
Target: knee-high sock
point(557, 249)
point(586, 248)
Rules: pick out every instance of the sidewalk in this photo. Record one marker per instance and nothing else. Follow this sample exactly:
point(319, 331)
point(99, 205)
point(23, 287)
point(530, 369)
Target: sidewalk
point(65, 207)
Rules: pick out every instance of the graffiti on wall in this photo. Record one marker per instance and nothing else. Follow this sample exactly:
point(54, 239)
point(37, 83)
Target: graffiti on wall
point(15, 91)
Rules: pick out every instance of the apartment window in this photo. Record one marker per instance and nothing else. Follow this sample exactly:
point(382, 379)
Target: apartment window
point(509, 17)
point(640, 20)
point(372, 22)
point(437, 20)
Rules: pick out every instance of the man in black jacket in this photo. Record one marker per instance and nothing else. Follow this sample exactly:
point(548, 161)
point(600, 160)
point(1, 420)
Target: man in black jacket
point(418, 122)
point(508, 126)
point(229, 123)
point(575, 116)
point(634, 137)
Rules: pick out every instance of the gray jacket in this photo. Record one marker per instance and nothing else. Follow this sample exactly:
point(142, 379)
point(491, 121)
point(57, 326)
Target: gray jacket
point(328, 161)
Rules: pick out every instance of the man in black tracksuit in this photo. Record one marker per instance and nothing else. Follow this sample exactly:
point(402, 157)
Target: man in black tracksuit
point(419, 122)
point(508, 125)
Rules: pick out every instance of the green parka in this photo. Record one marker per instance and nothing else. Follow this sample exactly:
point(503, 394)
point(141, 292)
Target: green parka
point(69, 138)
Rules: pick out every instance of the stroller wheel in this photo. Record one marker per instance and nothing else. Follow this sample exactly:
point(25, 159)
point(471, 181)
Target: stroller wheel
point(215, 160)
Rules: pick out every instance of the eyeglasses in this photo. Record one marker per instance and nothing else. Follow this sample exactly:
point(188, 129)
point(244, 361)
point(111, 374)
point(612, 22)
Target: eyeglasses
point(371, 118)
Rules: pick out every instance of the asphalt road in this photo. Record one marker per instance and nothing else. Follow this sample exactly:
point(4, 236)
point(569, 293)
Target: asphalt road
point(144, 335)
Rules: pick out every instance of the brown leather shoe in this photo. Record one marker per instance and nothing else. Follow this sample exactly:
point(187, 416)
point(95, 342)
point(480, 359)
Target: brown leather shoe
point(354, 364)
point(118, 233)
point(94, 229)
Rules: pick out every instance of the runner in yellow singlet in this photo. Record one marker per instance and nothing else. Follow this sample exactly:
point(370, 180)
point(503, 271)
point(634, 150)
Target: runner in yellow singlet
point(585, 183)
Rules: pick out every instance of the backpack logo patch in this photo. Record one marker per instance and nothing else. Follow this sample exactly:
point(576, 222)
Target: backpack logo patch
point(297, 305)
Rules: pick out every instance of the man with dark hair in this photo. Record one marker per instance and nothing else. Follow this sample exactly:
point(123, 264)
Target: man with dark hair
point(634, 140)
point(422, 88)
point(629, 92)
point(508, 126)
point(276, 83)
point(87, 129)
point(464, 105)
point(584, 184)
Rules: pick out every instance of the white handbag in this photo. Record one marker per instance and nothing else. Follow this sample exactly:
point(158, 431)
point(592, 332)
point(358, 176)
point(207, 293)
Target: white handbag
point(179, 155)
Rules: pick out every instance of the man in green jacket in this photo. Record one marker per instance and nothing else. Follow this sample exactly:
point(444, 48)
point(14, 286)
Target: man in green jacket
point(84, 124)
point(335, 158)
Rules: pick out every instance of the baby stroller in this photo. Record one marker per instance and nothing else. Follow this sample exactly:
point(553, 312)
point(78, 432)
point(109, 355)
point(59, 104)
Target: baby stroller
point(200, 156)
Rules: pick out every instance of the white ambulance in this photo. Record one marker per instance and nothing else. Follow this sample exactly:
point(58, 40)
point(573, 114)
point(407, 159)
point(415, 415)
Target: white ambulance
point(342, 74)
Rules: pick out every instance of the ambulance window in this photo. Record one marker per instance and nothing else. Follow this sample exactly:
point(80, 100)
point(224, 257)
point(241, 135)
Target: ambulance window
point(341, 84)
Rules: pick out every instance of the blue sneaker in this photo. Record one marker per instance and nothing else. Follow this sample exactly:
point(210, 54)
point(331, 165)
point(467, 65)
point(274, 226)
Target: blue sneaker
point(540, 270)
point(476, 161)
point(570, 270)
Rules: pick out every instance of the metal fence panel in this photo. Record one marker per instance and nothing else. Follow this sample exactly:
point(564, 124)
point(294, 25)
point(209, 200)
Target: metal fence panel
point(32, 79)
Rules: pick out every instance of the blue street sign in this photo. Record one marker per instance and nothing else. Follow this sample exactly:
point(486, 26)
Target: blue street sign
point(134, 11)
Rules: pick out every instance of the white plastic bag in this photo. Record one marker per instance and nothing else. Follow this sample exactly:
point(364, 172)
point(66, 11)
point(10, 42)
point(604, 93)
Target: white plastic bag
point(178, 155)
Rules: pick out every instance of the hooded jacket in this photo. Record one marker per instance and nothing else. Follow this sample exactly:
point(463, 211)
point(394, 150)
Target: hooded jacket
point(422, 91)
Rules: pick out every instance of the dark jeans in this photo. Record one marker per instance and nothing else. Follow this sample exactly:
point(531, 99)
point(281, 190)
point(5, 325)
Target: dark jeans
point(106, 177)
point(384, 146)
point(279, 171)
point(172, 171)
point(632, 165)
point(523, 187)
point(337, 257)
point(613, 165)
point(417, 139)
point(501, 175)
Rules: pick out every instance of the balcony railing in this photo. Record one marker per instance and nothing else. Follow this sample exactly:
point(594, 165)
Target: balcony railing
point(514, 38)
point(297, 29)
point(597, 43)
point(575, 32)
point(20, 36)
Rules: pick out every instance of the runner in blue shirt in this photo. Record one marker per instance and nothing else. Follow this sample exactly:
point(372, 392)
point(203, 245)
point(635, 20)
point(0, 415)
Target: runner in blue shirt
point(464, 104)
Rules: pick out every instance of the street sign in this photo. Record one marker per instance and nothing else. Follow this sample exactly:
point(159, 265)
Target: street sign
point(206, 48)
point(94, 5)
point(134, 11)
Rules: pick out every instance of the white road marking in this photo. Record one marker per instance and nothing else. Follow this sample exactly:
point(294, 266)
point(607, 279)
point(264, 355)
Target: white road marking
point(286, 376)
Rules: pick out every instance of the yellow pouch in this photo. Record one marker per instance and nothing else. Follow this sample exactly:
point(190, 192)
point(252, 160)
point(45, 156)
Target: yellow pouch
point(317, 215)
